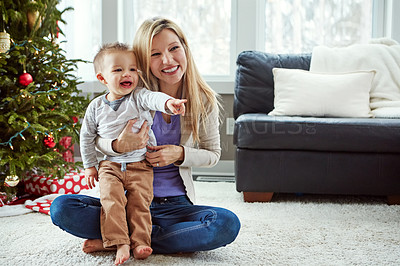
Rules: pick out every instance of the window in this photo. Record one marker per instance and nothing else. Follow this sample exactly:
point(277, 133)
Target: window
point(218, 30)
point(207, 26)
point(83, 33)
point(296, 26)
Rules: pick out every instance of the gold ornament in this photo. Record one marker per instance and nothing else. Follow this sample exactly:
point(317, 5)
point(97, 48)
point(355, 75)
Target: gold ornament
point(12, 180)
point(32, 16)
point(4, 42)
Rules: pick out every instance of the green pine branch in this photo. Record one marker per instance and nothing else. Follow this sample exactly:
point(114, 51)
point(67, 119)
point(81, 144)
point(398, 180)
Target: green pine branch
point(45, 107)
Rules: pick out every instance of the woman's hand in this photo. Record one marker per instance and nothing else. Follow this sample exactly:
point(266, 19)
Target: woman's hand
point(164, 155)
point(128, 141)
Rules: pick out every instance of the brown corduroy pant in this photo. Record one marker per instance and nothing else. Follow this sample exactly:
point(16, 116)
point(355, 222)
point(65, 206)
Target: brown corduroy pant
point(126, 218)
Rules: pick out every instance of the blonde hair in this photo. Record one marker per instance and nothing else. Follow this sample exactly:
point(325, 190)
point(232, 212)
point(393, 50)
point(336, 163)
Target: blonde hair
point(201, 99)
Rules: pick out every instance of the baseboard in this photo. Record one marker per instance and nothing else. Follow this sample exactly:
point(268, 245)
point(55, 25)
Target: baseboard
point(222, 171)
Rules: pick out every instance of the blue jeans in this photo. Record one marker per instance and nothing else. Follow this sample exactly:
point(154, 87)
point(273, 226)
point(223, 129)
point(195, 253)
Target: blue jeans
point(178, 225)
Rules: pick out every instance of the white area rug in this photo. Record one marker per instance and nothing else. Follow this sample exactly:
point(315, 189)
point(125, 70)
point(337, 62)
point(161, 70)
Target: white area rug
point(306, 230)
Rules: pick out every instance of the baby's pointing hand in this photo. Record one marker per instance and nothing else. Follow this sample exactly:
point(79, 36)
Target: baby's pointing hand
point(177, 106)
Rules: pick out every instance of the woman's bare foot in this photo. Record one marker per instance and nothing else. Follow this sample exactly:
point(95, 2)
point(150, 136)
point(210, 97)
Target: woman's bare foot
point(93, 245)
point(142, 252)
point(123, 254)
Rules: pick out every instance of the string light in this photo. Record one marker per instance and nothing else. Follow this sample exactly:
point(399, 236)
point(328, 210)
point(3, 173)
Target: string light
point(29, 96)
point(16, 135)
point(34, 93)
point(37, 50)
point(22, 44)
point(9, 142)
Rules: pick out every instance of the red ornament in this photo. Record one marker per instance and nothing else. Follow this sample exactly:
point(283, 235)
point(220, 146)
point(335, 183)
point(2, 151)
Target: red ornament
point(49, 142)
point(25, 79)
point(58, 31)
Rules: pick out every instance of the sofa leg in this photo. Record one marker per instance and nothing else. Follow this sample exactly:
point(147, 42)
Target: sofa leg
point(257, 196)
point(393, 200)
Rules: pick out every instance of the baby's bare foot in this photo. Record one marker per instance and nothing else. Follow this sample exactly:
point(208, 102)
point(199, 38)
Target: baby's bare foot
point(123, 253)
point(142, 252)
point(92, 245)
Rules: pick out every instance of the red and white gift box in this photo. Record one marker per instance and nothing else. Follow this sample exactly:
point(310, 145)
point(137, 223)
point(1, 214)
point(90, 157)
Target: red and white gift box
point(42, 206)
point(72, 183)
point(68, 155)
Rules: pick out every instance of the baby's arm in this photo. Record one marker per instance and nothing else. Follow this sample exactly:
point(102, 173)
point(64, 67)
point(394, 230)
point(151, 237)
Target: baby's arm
point(88, 134)
point(159, 101)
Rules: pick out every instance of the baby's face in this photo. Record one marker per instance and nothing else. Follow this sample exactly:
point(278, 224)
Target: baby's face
point(120, 73)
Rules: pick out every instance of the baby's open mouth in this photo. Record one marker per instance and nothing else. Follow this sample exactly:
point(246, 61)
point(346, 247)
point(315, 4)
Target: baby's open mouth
point(126, 84)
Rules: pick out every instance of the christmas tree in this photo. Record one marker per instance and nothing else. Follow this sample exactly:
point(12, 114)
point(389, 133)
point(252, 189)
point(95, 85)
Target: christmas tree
point(40, 103)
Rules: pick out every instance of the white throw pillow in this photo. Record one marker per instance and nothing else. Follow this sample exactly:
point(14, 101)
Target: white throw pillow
point(304, 93)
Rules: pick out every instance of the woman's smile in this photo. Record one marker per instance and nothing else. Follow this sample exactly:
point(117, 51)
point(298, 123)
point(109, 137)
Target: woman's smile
point(170, 70)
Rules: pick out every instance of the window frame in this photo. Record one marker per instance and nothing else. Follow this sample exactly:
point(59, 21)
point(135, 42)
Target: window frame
point(252, 15)
point(245, 15)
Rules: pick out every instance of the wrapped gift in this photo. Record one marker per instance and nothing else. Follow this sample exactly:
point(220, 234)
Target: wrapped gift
point(4, 200)
point(72, 183)
point(42, 206)
point(68, 155)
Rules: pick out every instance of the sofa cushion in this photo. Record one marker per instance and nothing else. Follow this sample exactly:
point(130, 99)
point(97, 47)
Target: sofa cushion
point(260, 131)
point(304, 93)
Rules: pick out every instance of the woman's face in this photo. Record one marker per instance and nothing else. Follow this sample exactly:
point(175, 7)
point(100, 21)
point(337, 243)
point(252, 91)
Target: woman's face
point(168, 58)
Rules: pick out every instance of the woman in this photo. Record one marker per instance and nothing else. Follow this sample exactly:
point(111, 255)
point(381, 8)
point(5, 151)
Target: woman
point(183, 142)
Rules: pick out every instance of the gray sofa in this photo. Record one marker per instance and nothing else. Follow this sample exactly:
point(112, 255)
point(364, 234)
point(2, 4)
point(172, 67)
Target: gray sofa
point(318, 155)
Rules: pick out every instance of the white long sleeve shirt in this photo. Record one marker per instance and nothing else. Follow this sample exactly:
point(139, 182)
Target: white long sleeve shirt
point(102, 120)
